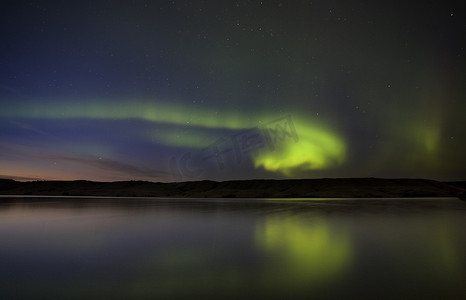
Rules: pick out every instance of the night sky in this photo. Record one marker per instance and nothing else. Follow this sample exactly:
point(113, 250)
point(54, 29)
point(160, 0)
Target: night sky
point(193, 90)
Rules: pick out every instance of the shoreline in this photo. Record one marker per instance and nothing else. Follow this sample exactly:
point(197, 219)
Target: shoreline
point(292, 188)
point(435, 198)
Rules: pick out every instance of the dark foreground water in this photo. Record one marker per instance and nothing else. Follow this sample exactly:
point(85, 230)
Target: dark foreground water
point(87, 248)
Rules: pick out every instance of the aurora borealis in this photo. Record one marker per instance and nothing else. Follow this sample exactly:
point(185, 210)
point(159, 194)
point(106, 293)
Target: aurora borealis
point(191, 90)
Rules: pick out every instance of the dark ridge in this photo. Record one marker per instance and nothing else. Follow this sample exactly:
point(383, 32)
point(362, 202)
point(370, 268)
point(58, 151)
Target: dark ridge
point(460, 184)
point(258, 188)
point(7, 184)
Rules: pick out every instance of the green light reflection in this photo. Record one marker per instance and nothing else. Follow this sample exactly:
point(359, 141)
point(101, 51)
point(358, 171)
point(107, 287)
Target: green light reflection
point(303, 253)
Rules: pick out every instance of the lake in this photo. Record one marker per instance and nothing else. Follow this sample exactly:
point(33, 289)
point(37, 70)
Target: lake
point(139, 248)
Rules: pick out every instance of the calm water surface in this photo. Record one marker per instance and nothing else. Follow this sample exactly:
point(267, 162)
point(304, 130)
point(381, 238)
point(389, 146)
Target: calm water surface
point(89, 248)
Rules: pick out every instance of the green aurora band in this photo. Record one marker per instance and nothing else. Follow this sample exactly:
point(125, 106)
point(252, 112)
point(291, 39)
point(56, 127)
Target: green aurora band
point(143, 110)
point(316, 148)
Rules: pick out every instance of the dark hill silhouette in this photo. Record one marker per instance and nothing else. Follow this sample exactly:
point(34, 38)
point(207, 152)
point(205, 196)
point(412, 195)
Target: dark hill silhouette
point(296, 188)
